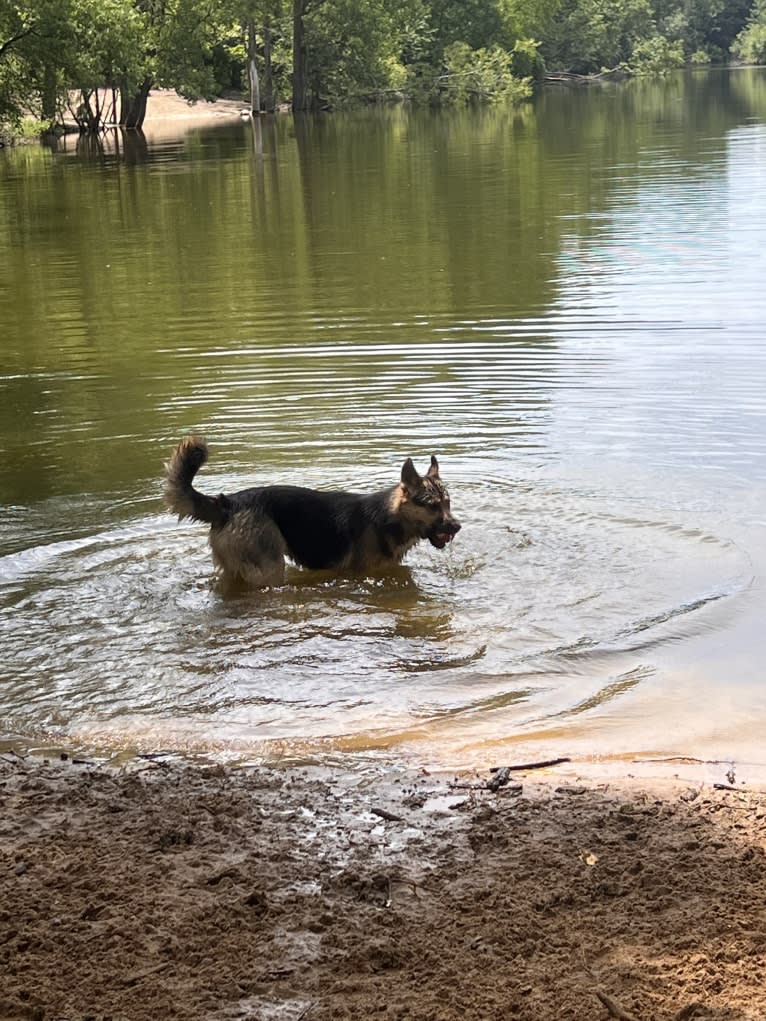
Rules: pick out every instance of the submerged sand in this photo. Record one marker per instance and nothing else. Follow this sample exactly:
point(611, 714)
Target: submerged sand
point(175, 891)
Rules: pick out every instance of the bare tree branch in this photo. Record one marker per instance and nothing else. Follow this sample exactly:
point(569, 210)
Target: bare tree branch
point(14, 39)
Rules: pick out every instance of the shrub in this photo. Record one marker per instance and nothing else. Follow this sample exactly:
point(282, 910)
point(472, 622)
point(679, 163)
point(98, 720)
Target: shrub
point(526, 61)
point(480, 75)
point(657, 55)
point(750, 44)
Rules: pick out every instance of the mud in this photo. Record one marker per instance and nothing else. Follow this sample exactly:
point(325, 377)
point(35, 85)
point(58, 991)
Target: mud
point(172, 891)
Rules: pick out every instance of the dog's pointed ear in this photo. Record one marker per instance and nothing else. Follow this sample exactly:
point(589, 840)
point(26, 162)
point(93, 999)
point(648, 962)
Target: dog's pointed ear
point(433, 471)
point(410, 478)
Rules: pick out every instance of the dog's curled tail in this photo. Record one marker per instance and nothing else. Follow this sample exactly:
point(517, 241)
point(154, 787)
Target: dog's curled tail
point(180, 496)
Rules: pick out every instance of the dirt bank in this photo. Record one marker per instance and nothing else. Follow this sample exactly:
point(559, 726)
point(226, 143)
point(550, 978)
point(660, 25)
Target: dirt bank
point(179, 892)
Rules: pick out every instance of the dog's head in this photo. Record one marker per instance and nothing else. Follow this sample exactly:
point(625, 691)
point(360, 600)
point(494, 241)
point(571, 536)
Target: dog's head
point(424, 504)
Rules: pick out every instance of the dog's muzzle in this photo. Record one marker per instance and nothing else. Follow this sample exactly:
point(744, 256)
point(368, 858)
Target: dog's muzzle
point(443, 533)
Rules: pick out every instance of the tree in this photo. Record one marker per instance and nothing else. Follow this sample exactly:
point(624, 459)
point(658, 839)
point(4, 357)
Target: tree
point(589, 35)
point(750, 44)
point(301, 100)
point(35, 38)
point(176, 52)
point(349, 48)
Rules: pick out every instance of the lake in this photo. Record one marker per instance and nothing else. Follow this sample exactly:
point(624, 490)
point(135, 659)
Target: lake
point(565, 302)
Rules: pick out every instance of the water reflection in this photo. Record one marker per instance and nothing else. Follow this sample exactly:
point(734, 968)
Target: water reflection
point(562, 303)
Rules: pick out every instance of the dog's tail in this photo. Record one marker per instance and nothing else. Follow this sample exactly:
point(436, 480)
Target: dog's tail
point(180, 495)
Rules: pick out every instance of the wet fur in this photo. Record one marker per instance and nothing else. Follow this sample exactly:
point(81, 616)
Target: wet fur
point(252, 531)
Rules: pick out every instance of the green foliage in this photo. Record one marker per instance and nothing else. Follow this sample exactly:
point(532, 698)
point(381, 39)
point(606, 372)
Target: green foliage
point(30, 33)
point(450, 50)
point(526, 61)
point(589, 35)
point(654, 56)
point(708, 25)
point(105, 45)
point(183, 46)
point(479, 75)
point(356, 46)
point(750, 45)
point(481, 24)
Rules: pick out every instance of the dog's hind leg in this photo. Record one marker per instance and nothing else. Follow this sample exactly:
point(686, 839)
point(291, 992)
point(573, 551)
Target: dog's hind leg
point(264, 573)
point(250, 550)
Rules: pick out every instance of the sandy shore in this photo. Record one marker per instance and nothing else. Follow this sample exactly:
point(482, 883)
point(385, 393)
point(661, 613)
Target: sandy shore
point(171, 891)
point(170, 115)
point(167, 105)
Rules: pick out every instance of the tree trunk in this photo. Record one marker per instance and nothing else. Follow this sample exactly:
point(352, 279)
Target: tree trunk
point(269, 101)
point(133, 105)
point(252, 71)
point(49, 95)
point(300, 84)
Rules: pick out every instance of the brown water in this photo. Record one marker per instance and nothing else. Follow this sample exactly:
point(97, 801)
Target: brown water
point(565, 303)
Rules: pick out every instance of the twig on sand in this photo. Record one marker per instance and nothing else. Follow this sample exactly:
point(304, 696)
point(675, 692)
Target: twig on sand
point(531, 765)
point(614, 1007)
point(502, 776)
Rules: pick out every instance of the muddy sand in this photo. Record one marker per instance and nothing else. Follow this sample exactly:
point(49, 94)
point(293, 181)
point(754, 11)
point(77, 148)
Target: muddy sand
point(179, 891)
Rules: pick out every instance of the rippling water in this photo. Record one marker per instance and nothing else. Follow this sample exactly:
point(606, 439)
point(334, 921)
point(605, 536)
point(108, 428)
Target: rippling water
point(565, 303)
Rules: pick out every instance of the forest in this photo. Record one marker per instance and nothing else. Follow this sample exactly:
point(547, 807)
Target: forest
point(95, 61)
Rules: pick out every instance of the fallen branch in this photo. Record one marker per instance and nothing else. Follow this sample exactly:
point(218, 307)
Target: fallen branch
point(531, 765)
point(614, 1007)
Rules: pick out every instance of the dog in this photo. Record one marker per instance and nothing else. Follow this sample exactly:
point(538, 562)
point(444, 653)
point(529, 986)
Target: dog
point(252, 531)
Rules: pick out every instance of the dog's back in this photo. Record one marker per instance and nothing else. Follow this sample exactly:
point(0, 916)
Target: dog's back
point(321, 528)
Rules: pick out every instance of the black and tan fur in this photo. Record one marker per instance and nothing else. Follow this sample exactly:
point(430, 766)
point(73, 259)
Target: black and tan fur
point(253, 530)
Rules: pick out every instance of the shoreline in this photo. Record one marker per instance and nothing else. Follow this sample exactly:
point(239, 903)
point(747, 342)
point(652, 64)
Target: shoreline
point(181, 891)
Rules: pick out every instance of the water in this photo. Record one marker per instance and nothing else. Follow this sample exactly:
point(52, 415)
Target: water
point(565, 303)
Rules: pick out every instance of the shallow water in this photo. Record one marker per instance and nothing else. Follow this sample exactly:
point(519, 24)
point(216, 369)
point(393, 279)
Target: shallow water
point(564, 303)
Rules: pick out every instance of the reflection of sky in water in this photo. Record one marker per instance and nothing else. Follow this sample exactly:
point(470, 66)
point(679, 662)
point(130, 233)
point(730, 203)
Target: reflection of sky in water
point(660, 316)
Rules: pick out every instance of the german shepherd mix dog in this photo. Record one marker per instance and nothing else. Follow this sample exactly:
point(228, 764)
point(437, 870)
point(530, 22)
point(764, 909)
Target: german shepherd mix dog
point(253, 530)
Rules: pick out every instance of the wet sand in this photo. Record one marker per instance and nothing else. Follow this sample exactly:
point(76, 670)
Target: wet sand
point(177, 891)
